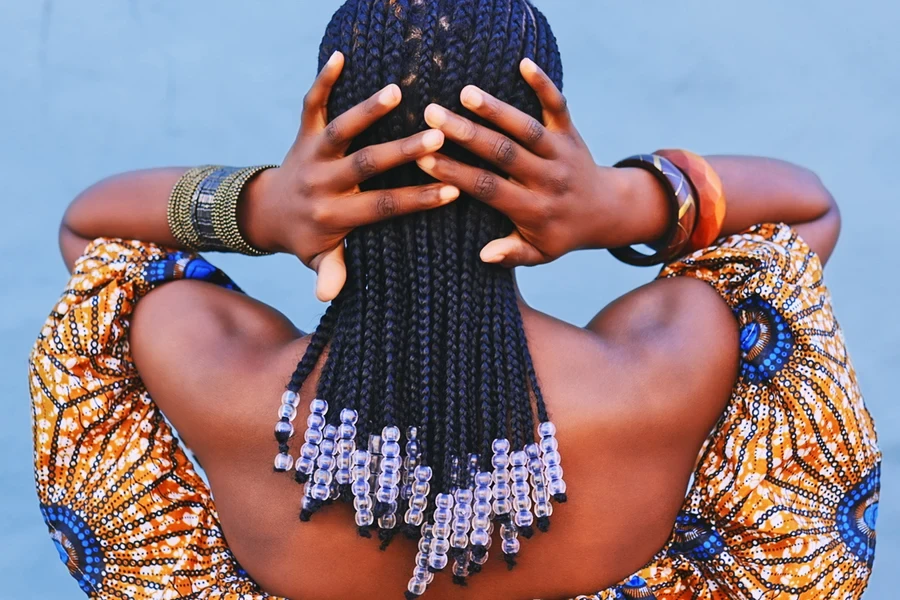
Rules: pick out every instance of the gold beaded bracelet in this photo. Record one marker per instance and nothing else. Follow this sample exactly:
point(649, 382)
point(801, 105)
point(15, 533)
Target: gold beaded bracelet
point(202, 210)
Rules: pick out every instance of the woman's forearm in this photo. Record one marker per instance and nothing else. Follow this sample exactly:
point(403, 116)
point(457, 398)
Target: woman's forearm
point(757, 190)
point(133, 206)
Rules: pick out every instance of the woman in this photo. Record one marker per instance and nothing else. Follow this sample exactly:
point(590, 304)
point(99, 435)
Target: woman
point(434, 156)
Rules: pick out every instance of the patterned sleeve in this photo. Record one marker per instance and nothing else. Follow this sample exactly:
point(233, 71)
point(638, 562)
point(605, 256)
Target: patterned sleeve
point(784, 496)
point(129, 515)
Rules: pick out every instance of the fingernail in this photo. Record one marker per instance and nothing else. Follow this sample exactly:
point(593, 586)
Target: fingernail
point(389, 95)
point(334, 57)
point(433, 139)
point(493, 258)
point(448, 192)
point(435, 115)
point(529, 66)
point(471, 97)
point(427, 162)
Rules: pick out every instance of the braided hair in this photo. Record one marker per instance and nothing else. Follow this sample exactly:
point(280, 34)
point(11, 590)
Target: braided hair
point(424, 334)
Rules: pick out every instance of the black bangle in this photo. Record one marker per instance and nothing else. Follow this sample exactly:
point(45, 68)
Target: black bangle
point(683, 213)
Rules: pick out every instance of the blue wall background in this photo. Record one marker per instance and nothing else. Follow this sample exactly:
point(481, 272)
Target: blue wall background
point(94, 87)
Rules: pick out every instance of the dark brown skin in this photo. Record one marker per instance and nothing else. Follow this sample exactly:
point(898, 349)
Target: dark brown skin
point(634, 393)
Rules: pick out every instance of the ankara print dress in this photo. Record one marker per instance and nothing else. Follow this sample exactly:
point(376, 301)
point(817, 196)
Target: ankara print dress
point(783, 501)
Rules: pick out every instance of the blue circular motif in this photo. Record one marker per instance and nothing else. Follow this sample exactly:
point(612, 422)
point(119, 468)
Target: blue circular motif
point(76, 545)
point(766, 340)
point(696, 538)
point(856, 515)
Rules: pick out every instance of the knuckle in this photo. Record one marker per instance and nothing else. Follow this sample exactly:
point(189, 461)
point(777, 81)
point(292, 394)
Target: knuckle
point(534, 131)
point(307, 102)
point(558, 182)
point(307, 187)
point(386, 204)
point(321, 213)
point(333, 133)
point(504, 150)
point(364, 164)
point(485, 186)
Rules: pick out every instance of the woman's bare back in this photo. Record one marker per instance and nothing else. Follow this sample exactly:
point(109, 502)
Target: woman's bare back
point(634, 395)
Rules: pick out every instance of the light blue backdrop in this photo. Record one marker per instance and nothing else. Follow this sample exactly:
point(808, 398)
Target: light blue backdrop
point(93, 87)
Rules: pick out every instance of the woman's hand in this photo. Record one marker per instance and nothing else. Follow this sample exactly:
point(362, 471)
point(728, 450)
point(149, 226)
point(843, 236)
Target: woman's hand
point(313, 200)
point(557, 197)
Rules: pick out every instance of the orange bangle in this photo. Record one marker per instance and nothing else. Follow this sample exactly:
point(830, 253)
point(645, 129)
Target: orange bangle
point(709, 192)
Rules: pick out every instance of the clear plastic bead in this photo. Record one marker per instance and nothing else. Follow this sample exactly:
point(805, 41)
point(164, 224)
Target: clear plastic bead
point(520, 488)
point(483, 494)
point(479, 537)
point(419, 501)
point(421, 487)
point(387, 521)
point(501, 507)
point(551, 458)
point(500, 461)
point(348, 415)
point(483, 479)
point(501, 476)
point(543, 509)
point(507, 532)
point(330, 432)
point(522, 503)
point(322, 477)
point(459, 540)
point(437, 561)
point(524, 518)
point(360, 487)
point(416, 587)
point(518, 458)
point(327, 447)
point(283, 429)
point(414, 517)
point(480, 560)
point(283, 462)
point(388, 478)
point(500, 446)
point(390, 433)
point(319, 492)
point(315, 421)
point(364, 518)
point(309, 451)
point(375, 442)
point(463, 496)
point(423, 473)
point(313, 436)
point(325, 461)
point(286, 411)
point(481, 521)
point(391, 463)
point(318, 406)
point(549, 444)
point(440, 545)
point(362, 502)
point(387, 494)
point(510, 546)
point(442, 515)
point(412, 432)
point(502, 490)
point(390, 449)
point(291, 398)
point(546, 429)
point(557, 486)
point(346, 431)
point(425, 544)
point(305, 465)
point(360, 458)
point(443, 501)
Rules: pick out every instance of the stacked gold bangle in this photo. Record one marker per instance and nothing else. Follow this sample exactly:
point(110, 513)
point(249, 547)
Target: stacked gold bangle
point(202, 211)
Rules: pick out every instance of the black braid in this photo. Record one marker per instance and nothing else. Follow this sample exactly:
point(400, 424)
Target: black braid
point(424, 333)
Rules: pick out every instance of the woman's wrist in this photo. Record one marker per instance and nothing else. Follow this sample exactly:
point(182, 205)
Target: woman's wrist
point(632, 209)
point(257, 212)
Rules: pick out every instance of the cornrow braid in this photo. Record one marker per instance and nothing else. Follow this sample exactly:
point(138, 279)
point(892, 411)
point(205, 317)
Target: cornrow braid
point(425, 360)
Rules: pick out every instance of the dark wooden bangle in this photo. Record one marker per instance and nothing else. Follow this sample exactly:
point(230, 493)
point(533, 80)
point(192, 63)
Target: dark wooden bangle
point(683, 211)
